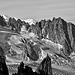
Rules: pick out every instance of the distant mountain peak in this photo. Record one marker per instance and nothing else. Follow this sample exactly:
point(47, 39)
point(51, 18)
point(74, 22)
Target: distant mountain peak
point(30, 21)
point(5, 17)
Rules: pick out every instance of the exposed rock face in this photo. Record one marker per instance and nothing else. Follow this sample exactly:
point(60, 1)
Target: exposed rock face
point(13, 24)
point(58, 31)
point(2, 21)
point(3, 67)
point(33, 52)
point(45, 66)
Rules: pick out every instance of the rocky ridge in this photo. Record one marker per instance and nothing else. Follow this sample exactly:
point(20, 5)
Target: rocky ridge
point(33, 42)
point(57, 31)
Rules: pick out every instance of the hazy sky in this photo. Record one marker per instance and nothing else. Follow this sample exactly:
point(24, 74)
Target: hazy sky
point(39, 9)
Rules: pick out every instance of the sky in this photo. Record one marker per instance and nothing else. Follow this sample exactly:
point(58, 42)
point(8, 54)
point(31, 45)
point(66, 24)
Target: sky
point(39, 9)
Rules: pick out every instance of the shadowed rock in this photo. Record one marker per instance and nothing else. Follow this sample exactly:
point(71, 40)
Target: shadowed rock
point(45, 66)
point(28, 71)
point(3, 66)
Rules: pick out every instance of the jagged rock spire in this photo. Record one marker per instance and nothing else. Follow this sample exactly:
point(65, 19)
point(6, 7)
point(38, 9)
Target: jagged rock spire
point(45, 66)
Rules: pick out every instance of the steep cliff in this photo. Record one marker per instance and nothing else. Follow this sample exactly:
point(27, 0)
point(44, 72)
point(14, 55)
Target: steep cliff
point(58, 31)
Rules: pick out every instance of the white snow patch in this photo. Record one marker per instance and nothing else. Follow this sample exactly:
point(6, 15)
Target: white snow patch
point(30, 21)
point(23, 28)
point(15, 18)
point(6, 17)
point(52, 43)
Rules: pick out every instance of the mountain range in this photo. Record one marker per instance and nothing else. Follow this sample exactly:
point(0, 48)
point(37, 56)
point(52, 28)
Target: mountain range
point(30, 41)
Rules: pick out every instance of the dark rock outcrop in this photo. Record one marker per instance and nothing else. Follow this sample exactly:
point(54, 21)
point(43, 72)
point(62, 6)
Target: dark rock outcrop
point(27, 71)
point(16, 25)
point(32, 52)
point(3, 66)
point(2, 21)
point(23, 70)
point(45, 66)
